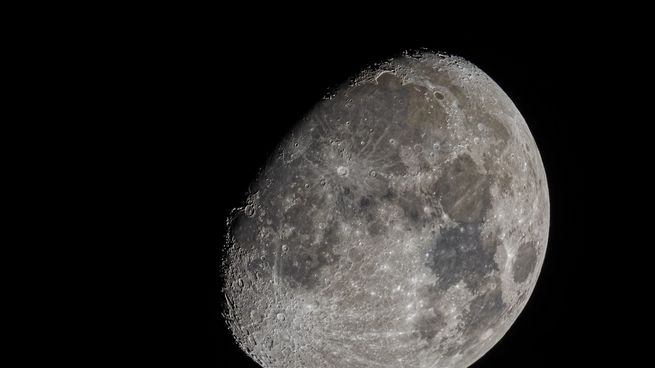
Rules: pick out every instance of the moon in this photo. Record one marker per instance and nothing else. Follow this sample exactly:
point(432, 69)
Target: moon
point(402, 222)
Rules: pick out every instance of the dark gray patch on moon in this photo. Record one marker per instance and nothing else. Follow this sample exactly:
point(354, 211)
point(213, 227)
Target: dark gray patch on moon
point(458, 254)
point(401, 223)
point(484, 312)
point(525, 262)
point(429, 324)
point(308, 255)
point(464, 191)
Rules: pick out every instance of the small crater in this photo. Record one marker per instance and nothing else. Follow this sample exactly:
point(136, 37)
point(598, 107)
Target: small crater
point(356, 254)
point(249, 210)
point(343, 171)
point(439, 95)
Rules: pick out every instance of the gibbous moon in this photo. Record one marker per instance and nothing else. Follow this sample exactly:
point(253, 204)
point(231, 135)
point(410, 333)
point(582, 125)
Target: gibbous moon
point(402, 222)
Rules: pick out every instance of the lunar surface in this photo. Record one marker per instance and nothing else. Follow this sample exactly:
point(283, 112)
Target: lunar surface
point(402, 222)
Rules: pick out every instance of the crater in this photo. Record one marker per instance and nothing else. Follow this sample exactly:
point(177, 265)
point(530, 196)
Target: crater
point(388, 80)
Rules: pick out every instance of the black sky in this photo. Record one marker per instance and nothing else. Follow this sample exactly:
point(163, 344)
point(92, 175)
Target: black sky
point(244, 90)
point(271, 81)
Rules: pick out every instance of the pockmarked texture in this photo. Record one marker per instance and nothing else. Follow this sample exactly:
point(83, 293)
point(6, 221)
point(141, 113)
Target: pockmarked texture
point(402, 223)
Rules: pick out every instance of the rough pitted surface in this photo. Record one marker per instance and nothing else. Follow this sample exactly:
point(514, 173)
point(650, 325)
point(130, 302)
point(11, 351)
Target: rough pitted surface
point(402, 223)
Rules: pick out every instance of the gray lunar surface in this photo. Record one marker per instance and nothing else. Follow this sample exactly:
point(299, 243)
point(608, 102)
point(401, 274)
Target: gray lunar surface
point(402, 223)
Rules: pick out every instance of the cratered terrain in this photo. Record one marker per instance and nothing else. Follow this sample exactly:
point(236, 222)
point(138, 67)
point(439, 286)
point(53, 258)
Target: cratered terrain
point(402, 222)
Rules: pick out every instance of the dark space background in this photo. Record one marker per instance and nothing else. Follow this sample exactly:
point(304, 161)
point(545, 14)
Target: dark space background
point(143, 128)
point(245, 90)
